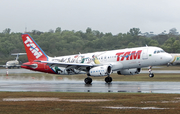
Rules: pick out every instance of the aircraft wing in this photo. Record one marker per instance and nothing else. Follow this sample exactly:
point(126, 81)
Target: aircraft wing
point(10, 66)
point(18, 65)
point(81, 66)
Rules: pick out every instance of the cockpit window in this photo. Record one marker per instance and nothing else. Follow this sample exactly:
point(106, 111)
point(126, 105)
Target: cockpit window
point(159, 51)
point(162, 51)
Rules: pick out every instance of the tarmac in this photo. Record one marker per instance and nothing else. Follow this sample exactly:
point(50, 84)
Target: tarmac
point(66, 85)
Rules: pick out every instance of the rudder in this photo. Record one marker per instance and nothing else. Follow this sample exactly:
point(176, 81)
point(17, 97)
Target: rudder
point(34, 52)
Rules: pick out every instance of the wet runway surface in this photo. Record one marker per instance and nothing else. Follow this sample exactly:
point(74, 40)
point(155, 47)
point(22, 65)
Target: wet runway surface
point(67, 85)
point(96, 86)
point(15, 71)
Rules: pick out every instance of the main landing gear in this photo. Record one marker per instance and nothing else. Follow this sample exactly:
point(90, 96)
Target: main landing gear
point(88, 80)
point(108, 79)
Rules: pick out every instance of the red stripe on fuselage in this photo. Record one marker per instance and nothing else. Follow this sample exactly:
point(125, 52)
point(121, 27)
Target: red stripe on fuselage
point(42, 67)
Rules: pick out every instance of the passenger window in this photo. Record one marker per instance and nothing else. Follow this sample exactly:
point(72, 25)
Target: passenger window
point(154, 52)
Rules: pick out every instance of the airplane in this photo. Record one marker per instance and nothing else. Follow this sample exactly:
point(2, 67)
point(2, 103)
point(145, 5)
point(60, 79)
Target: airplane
point(125, 61)
point(175, 59)
point(13, 63)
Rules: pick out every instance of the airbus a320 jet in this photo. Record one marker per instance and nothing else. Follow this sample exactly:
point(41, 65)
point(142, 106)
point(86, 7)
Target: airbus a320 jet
point(125, 61)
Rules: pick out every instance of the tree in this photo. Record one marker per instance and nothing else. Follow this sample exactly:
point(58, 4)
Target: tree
point(58, 30)
point(134, 31)
point(7, 31)
point(173, 31)
point(153, 43)
point(168, 45)
point(176, 46)
point(131, 45)
point(36, 32)
point(51, 31)
point(88, 30)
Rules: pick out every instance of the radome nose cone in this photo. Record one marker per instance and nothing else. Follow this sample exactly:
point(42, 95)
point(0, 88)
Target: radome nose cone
point(169, 57)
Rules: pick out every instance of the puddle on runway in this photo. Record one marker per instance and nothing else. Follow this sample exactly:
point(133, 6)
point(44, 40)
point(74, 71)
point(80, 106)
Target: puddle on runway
point(56, 84)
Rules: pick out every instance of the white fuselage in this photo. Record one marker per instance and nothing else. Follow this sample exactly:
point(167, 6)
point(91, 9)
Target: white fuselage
point(121, 59)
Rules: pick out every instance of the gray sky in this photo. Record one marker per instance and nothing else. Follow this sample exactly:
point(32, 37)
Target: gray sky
point(115, 16)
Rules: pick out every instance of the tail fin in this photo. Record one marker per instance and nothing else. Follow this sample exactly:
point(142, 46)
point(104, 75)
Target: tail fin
point(34, 52)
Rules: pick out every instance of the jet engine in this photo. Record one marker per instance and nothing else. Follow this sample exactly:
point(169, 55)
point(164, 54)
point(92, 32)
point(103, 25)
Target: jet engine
point(100, 71)
point(129, 71)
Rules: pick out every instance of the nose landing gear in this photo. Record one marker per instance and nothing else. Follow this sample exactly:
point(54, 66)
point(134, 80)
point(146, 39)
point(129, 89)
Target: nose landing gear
point(151, 75)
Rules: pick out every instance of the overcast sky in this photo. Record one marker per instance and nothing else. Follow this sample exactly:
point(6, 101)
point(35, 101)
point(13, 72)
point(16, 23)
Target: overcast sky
point(115, 16)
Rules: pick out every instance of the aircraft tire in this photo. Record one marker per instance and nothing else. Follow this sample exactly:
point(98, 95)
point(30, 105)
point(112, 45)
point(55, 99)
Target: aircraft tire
point(88, 80)
point(151, 75)
point(108, 79)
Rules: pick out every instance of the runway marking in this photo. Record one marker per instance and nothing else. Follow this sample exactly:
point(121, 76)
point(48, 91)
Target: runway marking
point(160, 101)
point(143, 108)
point(54, 99)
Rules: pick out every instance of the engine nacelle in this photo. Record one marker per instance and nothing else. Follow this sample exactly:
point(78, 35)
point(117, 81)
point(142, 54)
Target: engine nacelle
point(129, 71)
point(100, 71)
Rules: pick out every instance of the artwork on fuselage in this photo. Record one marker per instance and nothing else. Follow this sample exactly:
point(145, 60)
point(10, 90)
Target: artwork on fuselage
point(81, 59)
point(95, 59)
point(58, 70)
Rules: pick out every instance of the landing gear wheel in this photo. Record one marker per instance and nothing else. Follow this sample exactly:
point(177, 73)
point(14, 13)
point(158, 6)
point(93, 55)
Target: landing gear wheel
point(151, 75)
point(88, 80)
point(108, 79)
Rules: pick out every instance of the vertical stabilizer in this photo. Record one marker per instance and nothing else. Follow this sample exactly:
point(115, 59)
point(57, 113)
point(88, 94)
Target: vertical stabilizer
point(34, 52)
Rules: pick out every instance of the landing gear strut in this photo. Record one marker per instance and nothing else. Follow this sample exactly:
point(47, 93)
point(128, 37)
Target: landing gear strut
point(88, 80)
point(108, 79)
point(151, 75)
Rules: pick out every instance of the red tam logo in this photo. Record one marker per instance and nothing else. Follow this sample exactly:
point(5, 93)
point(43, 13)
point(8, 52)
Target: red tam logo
point(129, 55)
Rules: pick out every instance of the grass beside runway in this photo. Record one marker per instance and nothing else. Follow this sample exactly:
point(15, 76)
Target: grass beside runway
point(122, 103)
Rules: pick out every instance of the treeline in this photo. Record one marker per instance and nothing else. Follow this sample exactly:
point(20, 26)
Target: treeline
point(58, 42)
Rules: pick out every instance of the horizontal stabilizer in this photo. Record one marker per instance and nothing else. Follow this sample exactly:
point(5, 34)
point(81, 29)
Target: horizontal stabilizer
point(18, 54)
point(33, 65)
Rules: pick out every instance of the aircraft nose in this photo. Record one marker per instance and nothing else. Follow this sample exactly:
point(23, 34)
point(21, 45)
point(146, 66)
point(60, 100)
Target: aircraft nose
point(169, 57)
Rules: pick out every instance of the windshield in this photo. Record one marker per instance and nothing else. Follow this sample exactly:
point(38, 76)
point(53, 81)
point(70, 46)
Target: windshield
point(159, 51)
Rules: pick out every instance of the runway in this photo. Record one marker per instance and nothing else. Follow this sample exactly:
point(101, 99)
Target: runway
point(96, 86)
point(16, 71)
point(67, 85)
